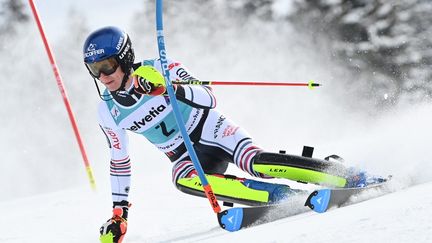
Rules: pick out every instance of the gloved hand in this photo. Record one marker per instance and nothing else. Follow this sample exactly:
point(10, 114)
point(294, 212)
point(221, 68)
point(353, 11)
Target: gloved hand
point(114, 230)
point(148, 81)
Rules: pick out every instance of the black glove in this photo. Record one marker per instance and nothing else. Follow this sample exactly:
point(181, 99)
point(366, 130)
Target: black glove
point(114, 230)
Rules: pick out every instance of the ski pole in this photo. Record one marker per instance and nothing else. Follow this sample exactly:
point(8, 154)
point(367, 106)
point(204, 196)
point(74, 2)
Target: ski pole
point(64, 95)
point(311, 84)
point(180, 123)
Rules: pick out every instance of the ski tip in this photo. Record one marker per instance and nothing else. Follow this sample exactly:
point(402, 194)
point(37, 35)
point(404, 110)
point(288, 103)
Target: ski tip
point(318, 200)
point(231, 219)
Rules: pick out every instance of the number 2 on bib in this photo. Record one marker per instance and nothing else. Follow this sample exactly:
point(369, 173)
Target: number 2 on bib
point(163, 127)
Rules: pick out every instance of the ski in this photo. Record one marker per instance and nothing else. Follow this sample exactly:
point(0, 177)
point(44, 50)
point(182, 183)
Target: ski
point(322, 200)
point(234, 219)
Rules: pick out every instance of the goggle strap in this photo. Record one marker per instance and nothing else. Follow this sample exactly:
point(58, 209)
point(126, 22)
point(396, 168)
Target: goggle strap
point(102, 96)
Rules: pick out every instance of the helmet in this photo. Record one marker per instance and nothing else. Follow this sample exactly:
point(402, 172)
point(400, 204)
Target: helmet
point(108, 42)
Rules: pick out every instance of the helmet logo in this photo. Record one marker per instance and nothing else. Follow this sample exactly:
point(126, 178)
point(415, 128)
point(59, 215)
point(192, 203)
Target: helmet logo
point(91, 47)
point(91, 50)
point(119, 43)
point(125, 51)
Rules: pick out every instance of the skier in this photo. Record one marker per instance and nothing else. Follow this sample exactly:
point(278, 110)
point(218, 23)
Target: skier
point(139, 103)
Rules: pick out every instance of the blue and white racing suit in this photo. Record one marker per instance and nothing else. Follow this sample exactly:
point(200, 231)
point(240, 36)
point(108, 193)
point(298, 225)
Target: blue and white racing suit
point(217, 140)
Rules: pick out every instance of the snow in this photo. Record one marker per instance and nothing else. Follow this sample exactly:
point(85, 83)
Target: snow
point(282, 8)
point(45, 192)
point(74, 216)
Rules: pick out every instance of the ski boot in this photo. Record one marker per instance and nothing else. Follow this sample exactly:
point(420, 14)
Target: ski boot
point(277, 192)
point(358, 178)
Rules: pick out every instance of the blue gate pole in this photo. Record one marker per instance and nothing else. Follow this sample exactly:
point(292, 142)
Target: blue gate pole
point(180, 123)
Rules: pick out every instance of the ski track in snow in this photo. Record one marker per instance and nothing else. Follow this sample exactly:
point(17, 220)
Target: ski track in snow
point(75, 216)
point(396, 142)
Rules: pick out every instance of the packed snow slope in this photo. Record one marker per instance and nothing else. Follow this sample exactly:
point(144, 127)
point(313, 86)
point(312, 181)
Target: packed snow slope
point(44, 188)
point(74, 216)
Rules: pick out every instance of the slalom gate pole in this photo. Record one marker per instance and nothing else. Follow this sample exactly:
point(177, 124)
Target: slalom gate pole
point(63, 93)
point(180, 123)
point(311, 84)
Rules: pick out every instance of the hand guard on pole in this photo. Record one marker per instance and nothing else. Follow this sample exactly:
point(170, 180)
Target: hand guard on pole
point(114, 230)
point(148, 81)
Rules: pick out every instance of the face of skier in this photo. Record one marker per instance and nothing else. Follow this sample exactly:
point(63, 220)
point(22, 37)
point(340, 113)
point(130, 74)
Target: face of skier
point(108, 72)
point(112, 81)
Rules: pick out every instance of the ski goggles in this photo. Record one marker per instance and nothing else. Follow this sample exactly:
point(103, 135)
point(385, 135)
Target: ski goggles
point(107, 67)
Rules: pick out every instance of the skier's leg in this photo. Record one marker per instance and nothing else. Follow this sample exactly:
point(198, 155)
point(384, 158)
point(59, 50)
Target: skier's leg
point(221, 142)
point(229, 188)
point(219, 131)
point(301, 169)
point(312, 170)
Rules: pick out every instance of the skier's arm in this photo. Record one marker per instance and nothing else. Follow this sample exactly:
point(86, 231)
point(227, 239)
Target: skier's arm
point(198, 96)
point(149, 80)
point(120, 166)
point(115, 228)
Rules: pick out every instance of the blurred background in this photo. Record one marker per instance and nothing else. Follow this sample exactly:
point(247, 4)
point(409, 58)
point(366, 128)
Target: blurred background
point(373, 58)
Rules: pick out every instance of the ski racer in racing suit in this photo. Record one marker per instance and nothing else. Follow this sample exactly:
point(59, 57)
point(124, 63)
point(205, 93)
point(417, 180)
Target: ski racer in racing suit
point(137, 104)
